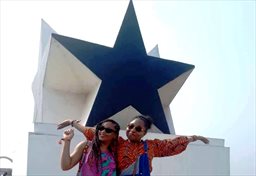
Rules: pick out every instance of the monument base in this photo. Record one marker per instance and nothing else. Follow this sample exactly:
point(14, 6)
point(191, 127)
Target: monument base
point(198, 159)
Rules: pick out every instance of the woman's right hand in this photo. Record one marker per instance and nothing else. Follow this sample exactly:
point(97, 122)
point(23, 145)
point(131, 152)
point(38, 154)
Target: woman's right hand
point(68, 134)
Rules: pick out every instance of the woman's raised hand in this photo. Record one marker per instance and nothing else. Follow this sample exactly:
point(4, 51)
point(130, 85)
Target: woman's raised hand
point(64, 124)
point(68, 134)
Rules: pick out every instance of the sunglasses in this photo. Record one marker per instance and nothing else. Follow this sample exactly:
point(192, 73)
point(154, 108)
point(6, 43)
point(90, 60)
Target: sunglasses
point(137, 128)
point(107, 130)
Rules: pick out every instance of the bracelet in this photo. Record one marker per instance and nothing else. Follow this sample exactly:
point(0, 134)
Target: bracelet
point(62, 139)
point(72, 123)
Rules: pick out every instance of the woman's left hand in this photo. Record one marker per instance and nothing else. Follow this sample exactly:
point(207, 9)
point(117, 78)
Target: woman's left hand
point(64, 124)
point(201, 138)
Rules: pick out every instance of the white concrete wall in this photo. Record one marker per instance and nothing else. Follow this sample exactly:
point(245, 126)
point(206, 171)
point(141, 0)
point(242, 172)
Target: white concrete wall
point(198, 159)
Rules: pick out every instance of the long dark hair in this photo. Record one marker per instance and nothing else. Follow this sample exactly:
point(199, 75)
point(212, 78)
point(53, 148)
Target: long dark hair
point(96, 143)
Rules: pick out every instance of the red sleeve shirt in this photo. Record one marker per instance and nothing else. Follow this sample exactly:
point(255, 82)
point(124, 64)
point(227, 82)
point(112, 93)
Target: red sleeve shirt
point(128, 152)
point(89, 133)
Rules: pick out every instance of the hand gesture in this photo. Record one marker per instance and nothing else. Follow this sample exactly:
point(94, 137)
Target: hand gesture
point(64, 124)
point(203, 139)
point(68, 134)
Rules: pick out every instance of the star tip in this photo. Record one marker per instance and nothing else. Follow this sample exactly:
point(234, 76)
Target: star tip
point(130, 3)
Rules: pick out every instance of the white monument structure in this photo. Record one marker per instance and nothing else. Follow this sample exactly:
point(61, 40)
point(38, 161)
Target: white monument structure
point(67, 85)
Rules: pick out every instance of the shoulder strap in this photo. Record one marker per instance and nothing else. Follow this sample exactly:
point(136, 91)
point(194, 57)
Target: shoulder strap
point(145, 146)
point(144, 162)
point(85, 150)
point(138, 158)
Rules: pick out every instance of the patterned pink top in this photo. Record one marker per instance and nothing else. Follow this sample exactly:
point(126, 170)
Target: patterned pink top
point(88, 164)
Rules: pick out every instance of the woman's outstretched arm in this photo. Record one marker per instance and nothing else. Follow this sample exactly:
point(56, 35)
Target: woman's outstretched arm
point(169, 147)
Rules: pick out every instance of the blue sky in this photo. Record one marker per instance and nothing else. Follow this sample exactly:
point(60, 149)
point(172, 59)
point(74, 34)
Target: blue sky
point(218, 37)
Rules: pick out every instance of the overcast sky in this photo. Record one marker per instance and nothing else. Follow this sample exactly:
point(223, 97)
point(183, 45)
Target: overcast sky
point(218, 37)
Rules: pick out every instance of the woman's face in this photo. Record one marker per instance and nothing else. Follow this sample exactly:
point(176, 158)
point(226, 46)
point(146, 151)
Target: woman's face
point(135, 130)
point(107, 132)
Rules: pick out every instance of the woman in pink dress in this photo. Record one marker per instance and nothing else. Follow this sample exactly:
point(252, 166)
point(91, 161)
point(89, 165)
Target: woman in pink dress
point(96, 157)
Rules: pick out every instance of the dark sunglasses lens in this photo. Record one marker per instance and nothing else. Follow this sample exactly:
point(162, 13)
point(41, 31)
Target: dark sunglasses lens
point(101, 128)
point(130, 126)
point(138, 129)
point(108, 130)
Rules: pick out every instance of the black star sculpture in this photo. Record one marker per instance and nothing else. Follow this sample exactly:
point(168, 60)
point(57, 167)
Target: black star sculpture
point(129, 76)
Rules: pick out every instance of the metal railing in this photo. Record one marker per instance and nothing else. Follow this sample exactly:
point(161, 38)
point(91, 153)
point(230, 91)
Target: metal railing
point(6, 171)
